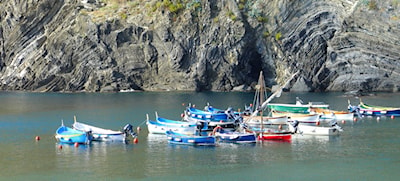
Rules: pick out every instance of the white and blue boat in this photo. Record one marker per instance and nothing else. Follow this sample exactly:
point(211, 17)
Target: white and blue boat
point(233, 136)
point(66, 134)
point(161, 125)
point(194, 139)
point(228, 119)
point(107, 135)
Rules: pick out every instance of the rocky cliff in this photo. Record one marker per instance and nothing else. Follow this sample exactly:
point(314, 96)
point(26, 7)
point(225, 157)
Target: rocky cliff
point(219, 45)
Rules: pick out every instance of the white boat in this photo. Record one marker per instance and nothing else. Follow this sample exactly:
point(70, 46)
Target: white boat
point(305, 129)
point(256, 120)
point(332, 114)
point(317, 130)
point(302, 118)
point(160, 127)
point(100, 134)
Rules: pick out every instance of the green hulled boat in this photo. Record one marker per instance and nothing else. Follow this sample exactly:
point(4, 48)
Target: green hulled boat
point(298, 107)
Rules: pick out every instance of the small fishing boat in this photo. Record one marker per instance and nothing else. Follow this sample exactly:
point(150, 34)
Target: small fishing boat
point(100, 134)
point(66, 134)
point(299, 107)
point(332, 114)
point(228, 119)
point(318, 130)
point(372, 110)
point(193, 139)
point(302, 118)
point(256, 120)
point(161, 125)
point(233, 136)
point(284, 136)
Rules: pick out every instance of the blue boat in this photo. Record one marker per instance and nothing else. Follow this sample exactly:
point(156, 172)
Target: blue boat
point(68, 135)
point(214, 117)
point(194, 140)
point(233, 136)
point(161, 125)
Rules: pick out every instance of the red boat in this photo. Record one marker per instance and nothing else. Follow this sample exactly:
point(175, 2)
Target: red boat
point(275, 136)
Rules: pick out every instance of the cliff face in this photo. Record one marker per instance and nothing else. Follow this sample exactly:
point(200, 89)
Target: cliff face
point(113, 45)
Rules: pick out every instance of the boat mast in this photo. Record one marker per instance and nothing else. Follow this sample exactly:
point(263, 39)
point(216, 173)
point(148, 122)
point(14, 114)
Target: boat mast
point(261, 86)
point(275, 94)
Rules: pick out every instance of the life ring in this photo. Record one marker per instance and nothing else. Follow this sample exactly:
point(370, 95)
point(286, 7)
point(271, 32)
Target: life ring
point(215, 129)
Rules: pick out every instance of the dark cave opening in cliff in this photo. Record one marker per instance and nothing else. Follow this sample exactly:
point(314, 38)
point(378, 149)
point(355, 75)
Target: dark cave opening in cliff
point(256, 66)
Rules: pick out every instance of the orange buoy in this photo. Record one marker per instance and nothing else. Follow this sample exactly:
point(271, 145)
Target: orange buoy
point(135, 140)
point(280, 126)
point(355, 119)
point(392, 117)
point(182, 115)
point(76, 144)
point(60, 147)
point(343, 122)
point(37, 138)
point(221, 121)
point(317, 123)
point(138, 129)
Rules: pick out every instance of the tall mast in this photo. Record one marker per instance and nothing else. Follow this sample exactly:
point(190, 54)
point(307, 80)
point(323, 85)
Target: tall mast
point(261, 85)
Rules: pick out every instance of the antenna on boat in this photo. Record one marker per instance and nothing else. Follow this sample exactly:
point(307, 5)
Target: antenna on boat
point(74, 119)
point(62, 122)
point(156, 114)
point(147, 116)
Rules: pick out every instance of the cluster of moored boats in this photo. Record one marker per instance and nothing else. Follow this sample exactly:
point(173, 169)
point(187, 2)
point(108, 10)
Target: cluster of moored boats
point(259, 121)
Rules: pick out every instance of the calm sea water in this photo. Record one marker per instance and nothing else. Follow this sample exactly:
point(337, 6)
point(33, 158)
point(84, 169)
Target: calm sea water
point(368, 149)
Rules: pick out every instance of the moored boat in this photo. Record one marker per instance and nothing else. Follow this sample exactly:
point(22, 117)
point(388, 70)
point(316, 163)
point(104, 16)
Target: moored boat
point(373, 110)
point(100, 134)
point(161, 125)
point(233, 136)
point(302, 118)
point(332, 114)
point(66, 134)
point(227, 119)
point(318, 130)
point(299, 107)
point(193, 139)
point(256, 120)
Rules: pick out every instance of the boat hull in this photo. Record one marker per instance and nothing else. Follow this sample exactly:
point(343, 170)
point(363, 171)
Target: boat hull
point(275, 136)
point(302, 118)
point(100, 134)
point(159, 128)
point(317, 130)
point(236, 137)
point(68, 135)
point(256, 120)
point(370, 110)
point(294, 108)
point(193, 140)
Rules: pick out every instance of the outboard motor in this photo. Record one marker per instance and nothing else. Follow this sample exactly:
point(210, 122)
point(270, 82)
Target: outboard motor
point(200, 126)
point(354, 109)
point(129, 130)
point(247, 110)
point(335, 125)
point(295, 125)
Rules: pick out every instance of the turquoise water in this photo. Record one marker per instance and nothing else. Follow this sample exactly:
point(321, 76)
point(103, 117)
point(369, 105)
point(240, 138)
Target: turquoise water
point(367, 150)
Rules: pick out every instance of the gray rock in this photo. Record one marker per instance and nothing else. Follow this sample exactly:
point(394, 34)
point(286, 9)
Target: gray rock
point(68, 46)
